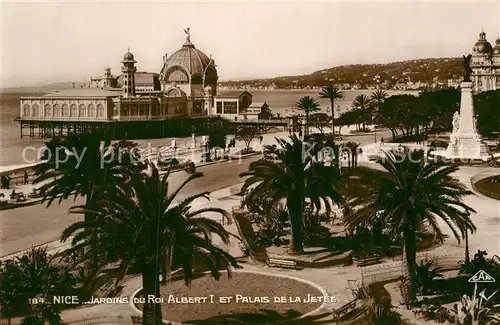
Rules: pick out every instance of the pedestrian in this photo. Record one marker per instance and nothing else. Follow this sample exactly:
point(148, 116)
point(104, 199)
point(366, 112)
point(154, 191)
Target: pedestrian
point(382, 140)
point(261, 138)
point(25, 177)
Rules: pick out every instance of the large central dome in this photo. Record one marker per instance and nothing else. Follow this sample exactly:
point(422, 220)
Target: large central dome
point(188, 64)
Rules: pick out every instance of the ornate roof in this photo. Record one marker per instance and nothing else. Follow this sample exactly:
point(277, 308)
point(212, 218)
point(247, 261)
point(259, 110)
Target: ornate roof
point(496, 49)
point(482, 46)
point(185, 63)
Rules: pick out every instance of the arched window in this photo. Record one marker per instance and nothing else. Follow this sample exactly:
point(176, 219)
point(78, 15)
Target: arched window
point(91, 110)
point(82, 111)
point(26, 110)
point(73, 110)
point(100, 110)
point(196, 79)
point(47, 111)
point(35, 110)
point(65, 110)
point(57, 110)
point(174, 93)
point(177, 75)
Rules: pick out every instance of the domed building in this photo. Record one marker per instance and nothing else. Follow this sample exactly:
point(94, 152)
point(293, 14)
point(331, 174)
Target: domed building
point(185, 77)
point(185, 86)
point(485, 65)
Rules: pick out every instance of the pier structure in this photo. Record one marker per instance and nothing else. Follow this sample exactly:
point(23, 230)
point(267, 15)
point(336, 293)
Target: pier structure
point(141, 105)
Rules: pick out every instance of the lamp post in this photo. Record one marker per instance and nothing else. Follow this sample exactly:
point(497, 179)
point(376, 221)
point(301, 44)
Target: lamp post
point(466, 238)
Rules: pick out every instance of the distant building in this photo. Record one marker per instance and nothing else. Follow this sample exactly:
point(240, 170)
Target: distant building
point(485, 64)
point(235, 105)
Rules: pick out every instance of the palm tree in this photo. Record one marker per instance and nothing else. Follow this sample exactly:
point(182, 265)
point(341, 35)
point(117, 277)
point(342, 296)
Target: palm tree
point(332, 92)
point(35, 275)
point(78, 165)
point(352, 150)
point(412, 191)
point(308, 105)
point(362, 104)
point(142, 226)
point(293, 178)
point(377, 98)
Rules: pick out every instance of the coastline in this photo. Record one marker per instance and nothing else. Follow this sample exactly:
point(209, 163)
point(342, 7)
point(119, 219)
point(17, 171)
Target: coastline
point(280, 101)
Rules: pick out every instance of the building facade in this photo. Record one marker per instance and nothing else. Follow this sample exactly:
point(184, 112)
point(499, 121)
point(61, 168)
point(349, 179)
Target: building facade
point(485, 65)
point(185, 86)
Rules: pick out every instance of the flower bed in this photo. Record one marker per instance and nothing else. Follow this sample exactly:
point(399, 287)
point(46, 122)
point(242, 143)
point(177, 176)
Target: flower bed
point(253, 286)
point(489, 186)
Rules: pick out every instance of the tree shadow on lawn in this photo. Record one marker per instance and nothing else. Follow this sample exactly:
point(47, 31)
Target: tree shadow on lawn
point(265, 316)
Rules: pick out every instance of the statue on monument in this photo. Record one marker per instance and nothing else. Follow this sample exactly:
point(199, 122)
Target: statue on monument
point(467, 68)
point(456, 122)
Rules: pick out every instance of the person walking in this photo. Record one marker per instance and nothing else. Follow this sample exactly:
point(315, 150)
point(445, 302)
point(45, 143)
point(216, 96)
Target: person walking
point(25, 177)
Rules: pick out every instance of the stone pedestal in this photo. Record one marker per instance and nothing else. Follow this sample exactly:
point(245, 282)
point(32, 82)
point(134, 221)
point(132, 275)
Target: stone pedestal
point(466, 142)
point(193, 141)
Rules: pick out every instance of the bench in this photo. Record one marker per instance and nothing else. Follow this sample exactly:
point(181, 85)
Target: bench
point(282, 263)
point(18, 197)
point(345, 309)
point(368, 261)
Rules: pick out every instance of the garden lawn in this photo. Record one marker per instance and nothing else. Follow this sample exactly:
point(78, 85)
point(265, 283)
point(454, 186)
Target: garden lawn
point(489, 186)
point(246, 284)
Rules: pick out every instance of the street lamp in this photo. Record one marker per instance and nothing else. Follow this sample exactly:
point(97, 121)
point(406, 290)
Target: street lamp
point(466, 238)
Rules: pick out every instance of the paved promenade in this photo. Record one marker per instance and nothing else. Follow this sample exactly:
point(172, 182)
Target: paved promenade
point(33, 225)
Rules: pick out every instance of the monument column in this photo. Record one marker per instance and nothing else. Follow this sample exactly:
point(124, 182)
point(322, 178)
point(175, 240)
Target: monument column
point(466, 109)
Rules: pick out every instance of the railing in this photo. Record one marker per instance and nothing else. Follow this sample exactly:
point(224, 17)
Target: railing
point(275, 121)
point(53, 247)
point(392, 270)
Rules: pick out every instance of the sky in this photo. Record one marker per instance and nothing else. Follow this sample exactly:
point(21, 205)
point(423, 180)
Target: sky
point(44, 42)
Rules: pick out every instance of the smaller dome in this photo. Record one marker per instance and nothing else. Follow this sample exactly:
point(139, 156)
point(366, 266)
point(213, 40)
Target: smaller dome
point(128, 56)
point(496, 49)
point(482, 46)
point(208, 88)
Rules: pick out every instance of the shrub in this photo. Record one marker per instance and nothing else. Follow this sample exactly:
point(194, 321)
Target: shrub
point(437, 313)
point(382, 314)
point(426, 273)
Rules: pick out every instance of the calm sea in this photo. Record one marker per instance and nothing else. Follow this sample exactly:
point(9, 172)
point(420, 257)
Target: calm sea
point(12, 146)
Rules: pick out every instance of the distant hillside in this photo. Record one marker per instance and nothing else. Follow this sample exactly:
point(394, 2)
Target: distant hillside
point(41, 88)
point(428, 72)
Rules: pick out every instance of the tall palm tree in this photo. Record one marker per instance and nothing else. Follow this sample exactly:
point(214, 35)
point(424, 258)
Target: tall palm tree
point(143, 227)
point(80, 165)
point(294, 178)
point(377, 98)
point(412, 191)
point(362, 104)
point(352, 150)
point(331, 92)
point(308, 105)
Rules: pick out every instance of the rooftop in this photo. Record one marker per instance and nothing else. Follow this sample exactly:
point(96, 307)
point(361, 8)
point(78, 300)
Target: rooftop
point(85, 92)
point(233, 94)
